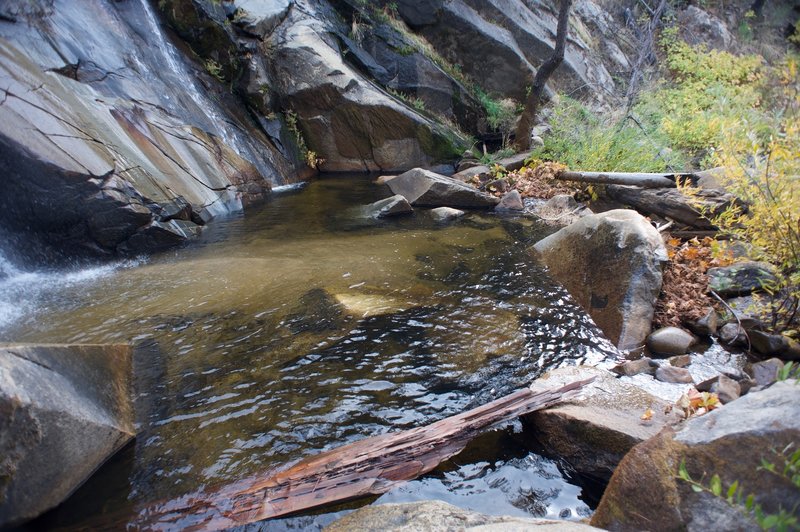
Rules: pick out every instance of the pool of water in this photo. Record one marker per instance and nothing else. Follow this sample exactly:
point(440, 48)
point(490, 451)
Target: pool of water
point(305, 325)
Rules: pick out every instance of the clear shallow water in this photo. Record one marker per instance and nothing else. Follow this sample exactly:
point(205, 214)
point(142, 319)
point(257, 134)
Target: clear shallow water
point(306, 325)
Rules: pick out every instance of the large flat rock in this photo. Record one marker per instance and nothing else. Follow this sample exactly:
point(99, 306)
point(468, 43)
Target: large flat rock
point(428, 189)
point(595, 431)
point(64, 410)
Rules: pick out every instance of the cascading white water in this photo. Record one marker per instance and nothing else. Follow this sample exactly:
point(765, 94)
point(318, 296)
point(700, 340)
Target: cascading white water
point(23, 293)
point(189, 85)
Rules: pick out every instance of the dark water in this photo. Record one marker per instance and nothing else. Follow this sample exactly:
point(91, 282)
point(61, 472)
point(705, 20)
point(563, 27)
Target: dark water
point(305, 325)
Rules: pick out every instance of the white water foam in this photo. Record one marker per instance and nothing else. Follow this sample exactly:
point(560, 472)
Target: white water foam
point(22, 292)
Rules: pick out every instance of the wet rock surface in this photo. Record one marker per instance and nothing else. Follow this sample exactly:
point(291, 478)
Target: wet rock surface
point(670, 341)
point(611, 264)
point(594, 432)
point(65, 410)
point(436, 516)
point(92, 154)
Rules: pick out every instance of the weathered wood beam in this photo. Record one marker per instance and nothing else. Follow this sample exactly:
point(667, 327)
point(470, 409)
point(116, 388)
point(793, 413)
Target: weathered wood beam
point(367, 467)
point(639, 179)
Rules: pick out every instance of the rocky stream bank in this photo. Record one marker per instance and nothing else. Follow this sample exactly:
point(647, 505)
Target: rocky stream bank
point(132, 137)
point(633, 426)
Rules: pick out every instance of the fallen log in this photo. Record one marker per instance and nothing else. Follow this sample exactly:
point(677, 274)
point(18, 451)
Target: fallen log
point(639, 179)
point(367, 467)
point(672, 204)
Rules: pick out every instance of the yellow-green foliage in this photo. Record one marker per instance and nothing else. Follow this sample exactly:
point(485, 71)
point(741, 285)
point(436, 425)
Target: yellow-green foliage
point(584, 141)
point(710, 92)
point(761, 156)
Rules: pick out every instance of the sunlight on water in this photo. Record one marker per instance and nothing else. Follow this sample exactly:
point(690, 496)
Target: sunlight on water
point(305, 325)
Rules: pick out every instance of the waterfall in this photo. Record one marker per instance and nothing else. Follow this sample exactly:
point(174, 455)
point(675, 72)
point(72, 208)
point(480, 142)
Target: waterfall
point(23, 292)
point(221, 127)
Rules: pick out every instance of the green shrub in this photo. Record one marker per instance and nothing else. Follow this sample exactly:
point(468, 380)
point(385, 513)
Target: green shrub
point(584, 141)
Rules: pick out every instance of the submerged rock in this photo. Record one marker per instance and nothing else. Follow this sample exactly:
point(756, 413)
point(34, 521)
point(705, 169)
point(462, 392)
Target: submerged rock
point(428, 189)
point(64, 410)
point(437, 516)
point(317, 311)
point(393, 206)
point(444, 214)
point(611, 264)
point(645, 492)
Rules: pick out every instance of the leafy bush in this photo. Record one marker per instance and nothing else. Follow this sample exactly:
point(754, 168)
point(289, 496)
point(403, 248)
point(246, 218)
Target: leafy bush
point(583, 141)
point(711, 91)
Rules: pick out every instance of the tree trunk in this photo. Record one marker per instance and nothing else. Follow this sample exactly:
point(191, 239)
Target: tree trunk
point(526, 121)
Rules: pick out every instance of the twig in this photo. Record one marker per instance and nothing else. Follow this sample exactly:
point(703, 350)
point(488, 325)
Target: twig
point(665, 226)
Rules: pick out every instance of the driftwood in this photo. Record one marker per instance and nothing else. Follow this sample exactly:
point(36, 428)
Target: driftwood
point(644, 180)
point(367, 467)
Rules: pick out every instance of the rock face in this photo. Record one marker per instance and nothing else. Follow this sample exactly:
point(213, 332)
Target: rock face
point(515, 37)
point(99, 131)
point(437, 516)
point(424, 188)
point(645, 493)
point(698, 26)
point(63, 411)
point(594, 432)
point(611, 264)
point(343, 116)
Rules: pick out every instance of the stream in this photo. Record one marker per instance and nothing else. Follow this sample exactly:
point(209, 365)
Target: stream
point(306, 324)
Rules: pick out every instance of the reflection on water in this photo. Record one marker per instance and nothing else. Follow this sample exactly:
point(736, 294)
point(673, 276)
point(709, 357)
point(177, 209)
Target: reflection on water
point(306, 325)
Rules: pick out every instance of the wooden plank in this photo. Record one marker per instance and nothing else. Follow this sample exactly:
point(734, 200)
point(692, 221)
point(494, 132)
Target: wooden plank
point(367, 467)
